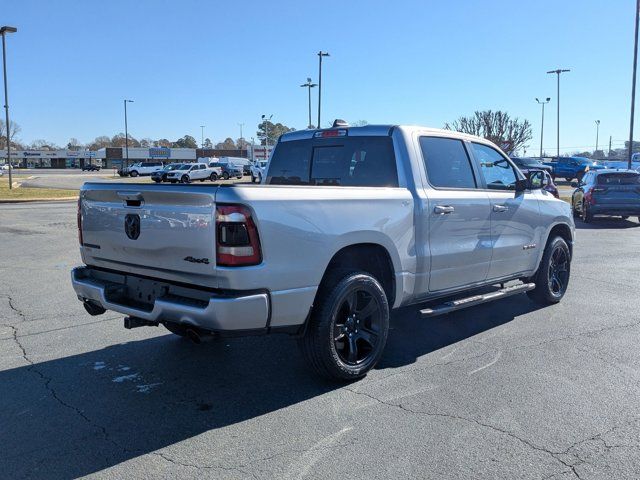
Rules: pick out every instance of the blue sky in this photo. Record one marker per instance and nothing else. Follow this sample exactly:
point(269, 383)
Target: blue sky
point(190, 63)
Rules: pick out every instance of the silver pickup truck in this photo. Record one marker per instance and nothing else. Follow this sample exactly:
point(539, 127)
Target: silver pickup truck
point(348, 223)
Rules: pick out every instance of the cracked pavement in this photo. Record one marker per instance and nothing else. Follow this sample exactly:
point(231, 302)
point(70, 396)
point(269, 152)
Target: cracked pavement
point(505, 390)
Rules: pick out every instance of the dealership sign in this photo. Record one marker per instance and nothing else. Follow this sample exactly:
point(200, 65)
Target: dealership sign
point(159, 152)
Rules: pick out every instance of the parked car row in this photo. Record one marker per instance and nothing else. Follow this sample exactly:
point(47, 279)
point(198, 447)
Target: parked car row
point(225, 168)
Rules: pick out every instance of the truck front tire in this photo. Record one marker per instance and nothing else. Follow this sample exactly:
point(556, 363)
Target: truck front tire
point(553, 273)
point(348, 326)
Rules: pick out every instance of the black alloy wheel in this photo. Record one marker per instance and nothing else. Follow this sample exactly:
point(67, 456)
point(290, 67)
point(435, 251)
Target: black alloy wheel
point(552, 277)
point(558, 273)
point(357, 326)
point(348, 327)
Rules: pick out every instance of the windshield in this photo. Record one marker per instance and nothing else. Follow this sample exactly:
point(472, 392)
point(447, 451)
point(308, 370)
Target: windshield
point(173, 166)
point(621, 178)
point(184, 167)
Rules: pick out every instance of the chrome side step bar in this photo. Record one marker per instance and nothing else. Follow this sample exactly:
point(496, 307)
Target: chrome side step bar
point(453, 305)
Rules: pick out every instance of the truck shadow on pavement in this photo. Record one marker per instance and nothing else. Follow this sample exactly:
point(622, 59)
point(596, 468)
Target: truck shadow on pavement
point(80, 414)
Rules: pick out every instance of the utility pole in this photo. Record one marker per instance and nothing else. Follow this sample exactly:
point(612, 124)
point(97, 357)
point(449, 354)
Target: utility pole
point(558, 72)
point(126, 132)
point(266, 121)
point(542, 123)
point(633, 84)
point(597, 134)
point(3, 31)
point(202, 136)
point(241, 141)
point(609, 146)
point(320, 55)
point(309, 86)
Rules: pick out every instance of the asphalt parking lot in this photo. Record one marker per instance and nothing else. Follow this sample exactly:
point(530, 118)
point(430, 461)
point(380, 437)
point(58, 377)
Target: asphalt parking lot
point(505, 390)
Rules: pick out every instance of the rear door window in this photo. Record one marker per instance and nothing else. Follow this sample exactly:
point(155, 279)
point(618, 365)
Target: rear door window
point(346, 161)
point(447, 163)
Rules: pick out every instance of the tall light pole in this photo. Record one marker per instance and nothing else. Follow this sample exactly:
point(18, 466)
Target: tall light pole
point(542, 124)
point(240, 140)
point(309, 86)
point(597, 134)
point(558, 72)
point(320, 55)
point(202, 136)
point(126, 132)
point(3, 31)
point(633, 84)
point(266, 119)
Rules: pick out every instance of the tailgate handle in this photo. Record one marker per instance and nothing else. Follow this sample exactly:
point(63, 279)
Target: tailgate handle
point(131, 199)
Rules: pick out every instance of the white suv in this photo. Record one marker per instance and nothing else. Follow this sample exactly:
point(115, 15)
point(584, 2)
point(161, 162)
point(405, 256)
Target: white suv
point(144, 168)
point(188, 172)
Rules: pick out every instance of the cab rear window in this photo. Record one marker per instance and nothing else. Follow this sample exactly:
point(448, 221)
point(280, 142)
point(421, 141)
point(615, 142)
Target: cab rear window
point(341, 161)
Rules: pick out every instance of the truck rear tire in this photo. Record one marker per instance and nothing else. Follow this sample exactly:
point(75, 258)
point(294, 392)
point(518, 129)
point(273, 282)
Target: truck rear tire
point(134, 174)
point(348, 327)
point(552, 278)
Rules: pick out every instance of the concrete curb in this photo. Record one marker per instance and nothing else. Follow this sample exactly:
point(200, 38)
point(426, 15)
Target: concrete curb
point(31, 200)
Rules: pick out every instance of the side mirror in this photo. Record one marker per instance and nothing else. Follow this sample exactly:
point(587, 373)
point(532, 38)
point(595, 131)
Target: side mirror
point(536, 180)
point(521, 185)
point(575, 184)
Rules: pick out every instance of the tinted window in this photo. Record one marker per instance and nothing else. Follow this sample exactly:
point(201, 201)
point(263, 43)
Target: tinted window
point(344, 161)
point(623, 178)
point(447, 163)
point(497, 172)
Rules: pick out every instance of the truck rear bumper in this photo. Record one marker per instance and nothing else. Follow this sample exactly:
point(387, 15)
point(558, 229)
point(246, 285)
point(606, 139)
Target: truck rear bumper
point(615, 209)
point(160, 301)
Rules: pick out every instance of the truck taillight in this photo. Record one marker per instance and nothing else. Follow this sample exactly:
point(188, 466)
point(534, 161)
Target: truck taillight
point(237, 241)
point(79, 218)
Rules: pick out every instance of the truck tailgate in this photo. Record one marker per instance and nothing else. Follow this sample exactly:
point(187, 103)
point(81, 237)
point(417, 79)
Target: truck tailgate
point(164, 230)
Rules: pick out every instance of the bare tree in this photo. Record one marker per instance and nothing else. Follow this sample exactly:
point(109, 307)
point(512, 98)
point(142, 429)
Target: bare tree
point(42, 144)
point(100, 142)
point(74, 144)
point(14, 130)
point(509, 134)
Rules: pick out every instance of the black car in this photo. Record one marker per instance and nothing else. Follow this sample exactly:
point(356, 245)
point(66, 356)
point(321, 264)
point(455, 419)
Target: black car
point(89, 167)
point(527, 163)
point(607, 192)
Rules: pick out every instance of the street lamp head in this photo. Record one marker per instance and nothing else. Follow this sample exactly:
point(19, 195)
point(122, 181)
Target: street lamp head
point(597, 122)
point(323, 54)
point(128, 101)
point(548, 99)
point(537, 100)
point(7, 29)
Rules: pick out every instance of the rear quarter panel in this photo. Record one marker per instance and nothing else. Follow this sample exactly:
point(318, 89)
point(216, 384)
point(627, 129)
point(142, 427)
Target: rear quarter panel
point(302, 228)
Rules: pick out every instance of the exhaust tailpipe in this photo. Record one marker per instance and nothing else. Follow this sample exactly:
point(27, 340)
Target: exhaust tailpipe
point(135, 322)
point(198, 336)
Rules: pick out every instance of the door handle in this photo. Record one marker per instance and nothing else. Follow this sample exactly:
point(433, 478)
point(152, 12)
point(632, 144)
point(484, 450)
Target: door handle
point(500, 208)
point(443, 209)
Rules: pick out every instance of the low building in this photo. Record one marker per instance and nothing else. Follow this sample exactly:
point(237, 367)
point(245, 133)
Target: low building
point(115, 157)
point(50, 158)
